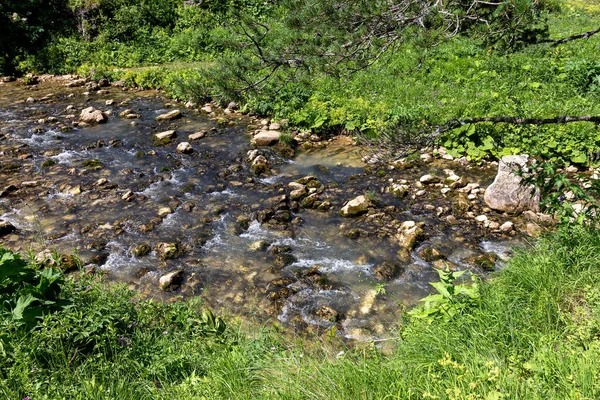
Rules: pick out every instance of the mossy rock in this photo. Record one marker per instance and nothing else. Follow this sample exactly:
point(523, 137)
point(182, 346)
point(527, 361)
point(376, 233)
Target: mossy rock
point(92, 164)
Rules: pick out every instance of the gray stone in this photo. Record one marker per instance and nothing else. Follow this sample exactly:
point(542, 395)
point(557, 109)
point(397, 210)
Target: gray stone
point(266, 138)
point(507, 193)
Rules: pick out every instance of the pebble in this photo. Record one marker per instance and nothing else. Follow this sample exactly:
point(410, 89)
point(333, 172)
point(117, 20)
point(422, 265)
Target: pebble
point(481, 218)
point(428, 179)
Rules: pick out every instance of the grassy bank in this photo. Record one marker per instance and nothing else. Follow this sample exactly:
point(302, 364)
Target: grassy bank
point(403, 92)
point(532, 334)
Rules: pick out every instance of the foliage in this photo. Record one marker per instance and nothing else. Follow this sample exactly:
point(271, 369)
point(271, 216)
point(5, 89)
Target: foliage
point(450, 300)
point(27, 26)
point(531, 333)
point(572, 200)
point(27, 293)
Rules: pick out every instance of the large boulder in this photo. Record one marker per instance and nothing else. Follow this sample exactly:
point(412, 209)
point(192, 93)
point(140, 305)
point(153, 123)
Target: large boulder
point(92, 116)
point(508, 193)
point(266, 138)
point(355, 207)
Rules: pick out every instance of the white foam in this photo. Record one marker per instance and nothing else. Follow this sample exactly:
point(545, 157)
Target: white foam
point(270, 180)
point(226, 192)
point(333, 265)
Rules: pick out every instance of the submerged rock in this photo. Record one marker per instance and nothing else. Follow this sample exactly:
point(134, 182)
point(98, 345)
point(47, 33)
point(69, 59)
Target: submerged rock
point(430, 254)
point(328, 314)
point(386, 271)
point(508, 193)
point(355, 207)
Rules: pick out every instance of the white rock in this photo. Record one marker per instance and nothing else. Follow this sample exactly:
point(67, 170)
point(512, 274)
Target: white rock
point(197, 135)
point(171, 115)
point(266, 138)
point(185, 148)
point(507, 193)
point(92, 116)
point(356, 206)
point(171, 280)
point(165, 135)
point(428, 179)
point(164, 211)
point(506, 227)
point(481, 218)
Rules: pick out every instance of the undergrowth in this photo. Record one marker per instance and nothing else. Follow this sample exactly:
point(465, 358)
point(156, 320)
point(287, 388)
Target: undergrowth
point(531, 333)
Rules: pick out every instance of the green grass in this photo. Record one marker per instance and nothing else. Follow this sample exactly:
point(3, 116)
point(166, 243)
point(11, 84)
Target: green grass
point(406, 91)
point(533, 335)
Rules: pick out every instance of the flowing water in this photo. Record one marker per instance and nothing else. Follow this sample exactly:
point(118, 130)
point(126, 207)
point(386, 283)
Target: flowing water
point(325, 277)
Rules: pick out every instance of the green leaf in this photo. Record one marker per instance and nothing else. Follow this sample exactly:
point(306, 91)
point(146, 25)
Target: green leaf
point(22, 303)
point(442, 289)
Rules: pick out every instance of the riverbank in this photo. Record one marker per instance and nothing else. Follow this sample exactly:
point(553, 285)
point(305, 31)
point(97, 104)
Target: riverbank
point(532, 334)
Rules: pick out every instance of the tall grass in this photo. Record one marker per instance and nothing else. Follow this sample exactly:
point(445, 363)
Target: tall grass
point(534, 334)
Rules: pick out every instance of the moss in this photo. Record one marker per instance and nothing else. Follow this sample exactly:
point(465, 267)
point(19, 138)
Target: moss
point(92, 164)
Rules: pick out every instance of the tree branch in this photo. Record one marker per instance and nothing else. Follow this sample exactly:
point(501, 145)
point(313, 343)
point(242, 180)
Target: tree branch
point(585, 35)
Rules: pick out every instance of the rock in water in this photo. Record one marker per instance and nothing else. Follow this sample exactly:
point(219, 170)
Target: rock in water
point(92, 116)
point(172, 280)
point(171, 115)
point(167, 250)
point(260, 165)
point(507, 193)
point(266, 138)
point(6, 228)
point(185, 148)
point(355, 207)
point(165, 135)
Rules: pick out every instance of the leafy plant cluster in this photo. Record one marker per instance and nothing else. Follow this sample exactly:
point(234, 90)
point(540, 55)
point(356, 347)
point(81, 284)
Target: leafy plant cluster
point(450, 300)
point(28, 293)
point(571, 199)
point(71, 336)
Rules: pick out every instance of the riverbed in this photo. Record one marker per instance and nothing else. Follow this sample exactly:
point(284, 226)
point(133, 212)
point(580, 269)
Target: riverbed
point(115, 196)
